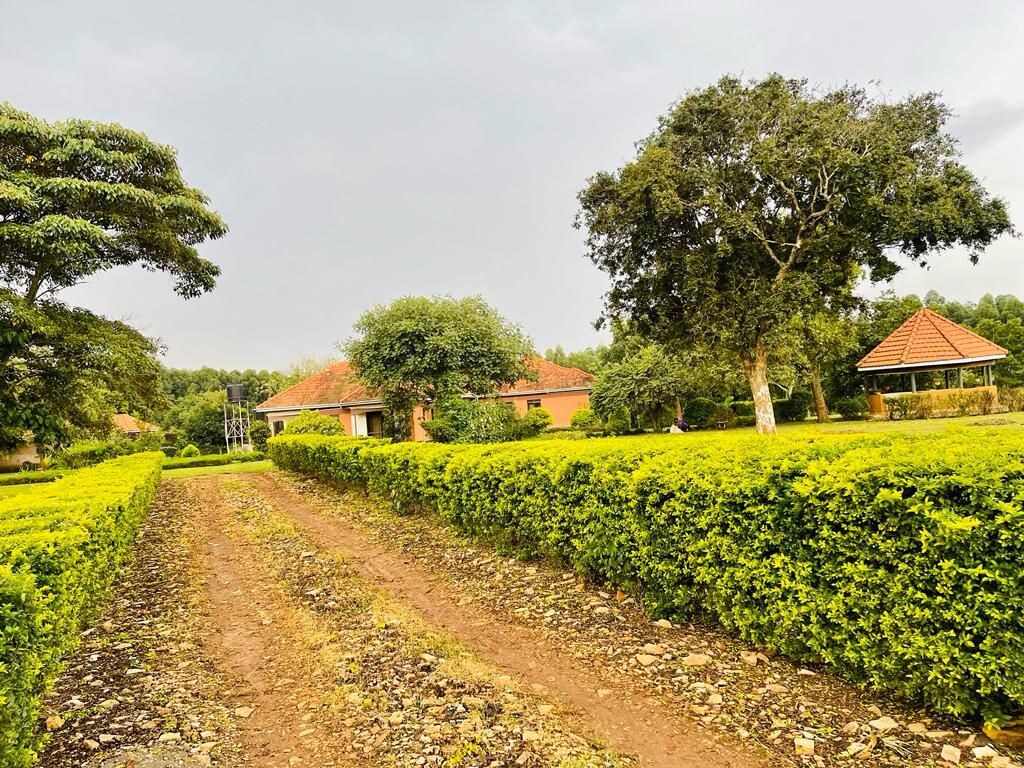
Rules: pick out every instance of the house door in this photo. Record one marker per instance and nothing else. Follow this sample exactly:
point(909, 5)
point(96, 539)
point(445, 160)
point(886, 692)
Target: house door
point(375, 423)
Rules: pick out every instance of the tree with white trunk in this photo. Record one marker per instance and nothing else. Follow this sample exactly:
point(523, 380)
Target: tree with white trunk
point(755, 202)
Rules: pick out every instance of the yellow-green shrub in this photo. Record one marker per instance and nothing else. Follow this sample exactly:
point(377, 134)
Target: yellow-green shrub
point(60, 547)
point(899, 560)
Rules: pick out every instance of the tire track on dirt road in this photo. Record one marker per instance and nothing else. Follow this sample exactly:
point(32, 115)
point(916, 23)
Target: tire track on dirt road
point(630, 721)
point(267, 720)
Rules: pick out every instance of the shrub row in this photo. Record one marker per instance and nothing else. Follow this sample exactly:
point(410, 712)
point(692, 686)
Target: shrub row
point(23, 478)
point(60, 547)
point(212, 460)
point(897, 560)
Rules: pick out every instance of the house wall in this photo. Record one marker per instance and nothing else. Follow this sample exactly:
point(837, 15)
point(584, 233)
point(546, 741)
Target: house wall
point(561, 404)
point(14, 459)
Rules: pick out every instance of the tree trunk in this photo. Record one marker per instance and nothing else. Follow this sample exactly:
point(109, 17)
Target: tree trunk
point(755, 368)
point(820, 406)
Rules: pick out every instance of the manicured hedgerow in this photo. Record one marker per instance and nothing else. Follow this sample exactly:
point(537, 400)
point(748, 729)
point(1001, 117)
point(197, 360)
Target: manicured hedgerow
point(27, 478)
point(212, 460)
point(60, 547)
point(898, 560)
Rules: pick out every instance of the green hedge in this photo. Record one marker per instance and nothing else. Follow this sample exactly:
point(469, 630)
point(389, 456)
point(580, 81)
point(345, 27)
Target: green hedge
point(212, 460)
point(896, 559)
point(24, 478)
point(60, 547)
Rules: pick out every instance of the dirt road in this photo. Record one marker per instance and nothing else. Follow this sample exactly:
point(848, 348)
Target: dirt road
point(272, 621)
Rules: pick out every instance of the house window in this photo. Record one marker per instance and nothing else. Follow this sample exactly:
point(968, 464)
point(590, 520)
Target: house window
point(428, 414)
point(531, 404)
point(278, 427)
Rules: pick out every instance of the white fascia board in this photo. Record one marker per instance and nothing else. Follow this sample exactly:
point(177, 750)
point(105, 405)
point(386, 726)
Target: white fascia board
point(964, 361)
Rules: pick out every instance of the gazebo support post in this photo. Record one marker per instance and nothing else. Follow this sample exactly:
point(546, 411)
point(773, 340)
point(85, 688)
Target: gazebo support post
point(913, 382)
point(945, 376)
point(961, 372)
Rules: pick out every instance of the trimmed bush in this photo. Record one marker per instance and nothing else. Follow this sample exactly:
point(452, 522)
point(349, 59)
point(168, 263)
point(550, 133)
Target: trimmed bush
point(742, 407)
point(795, 408)
point(61, 545)
point(332, 458)
point(897, 559)
point(584, 419)
point(535, 421)
point(212, 459)
point(852, 408)
point(313, 423)
point(24, 478)
point(700, 411)
point(259, 433)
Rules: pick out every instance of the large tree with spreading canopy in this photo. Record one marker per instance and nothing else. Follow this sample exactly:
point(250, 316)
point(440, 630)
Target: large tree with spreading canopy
point(756, 201)
point(78, 198)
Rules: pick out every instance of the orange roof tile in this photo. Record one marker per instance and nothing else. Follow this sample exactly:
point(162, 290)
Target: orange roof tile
point(337, 385)
point(929, 338)
point(125, 422)
point(333, 385)
point(551, 376)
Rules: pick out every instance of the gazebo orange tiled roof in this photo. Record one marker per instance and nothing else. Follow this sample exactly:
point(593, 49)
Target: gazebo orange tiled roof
point(927, 340)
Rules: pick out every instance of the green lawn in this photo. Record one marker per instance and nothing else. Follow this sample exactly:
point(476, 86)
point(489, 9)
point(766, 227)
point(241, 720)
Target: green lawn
point(910, 426)
point(223, 469)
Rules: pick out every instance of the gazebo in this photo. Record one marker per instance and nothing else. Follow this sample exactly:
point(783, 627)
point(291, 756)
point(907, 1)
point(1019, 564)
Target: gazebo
point(926, 345)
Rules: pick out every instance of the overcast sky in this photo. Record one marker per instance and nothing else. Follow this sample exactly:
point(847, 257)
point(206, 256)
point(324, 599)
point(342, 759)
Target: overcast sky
point(362, 151)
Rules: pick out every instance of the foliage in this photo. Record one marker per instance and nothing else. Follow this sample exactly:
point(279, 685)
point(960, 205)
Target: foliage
point(333, 458)
point(894, 558)
point(179, 383)
point(700, 411)
point(475, 420)
point(35, 476)
point(795, 407)
point(853, 408)
point(259, 433)
point(646, 384)
point(535, 421)
point(584, 419)
point(742, 407)
point(592, 359)
point(88, 452)
point(313, 423)
point(61, 545)
point(78, 198)
point(420, 349)
point(63, 371)
point(199, 419)
point(211, 460)
point(190, 451)
point(1012, 398)
point(753, 202)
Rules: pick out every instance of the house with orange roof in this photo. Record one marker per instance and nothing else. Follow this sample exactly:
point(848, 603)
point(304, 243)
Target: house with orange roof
point(130, 426)
point(925, 345)
point(335, 391)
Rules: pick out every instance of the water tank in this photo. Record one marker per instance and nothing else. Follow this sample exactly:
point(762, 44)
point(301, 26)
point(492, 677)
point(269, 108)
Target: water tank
point(236, 393)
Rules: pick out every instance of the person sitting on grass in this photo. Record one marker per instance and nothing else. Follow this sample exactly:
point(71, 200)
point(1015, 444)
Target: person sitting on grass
point(681, 424)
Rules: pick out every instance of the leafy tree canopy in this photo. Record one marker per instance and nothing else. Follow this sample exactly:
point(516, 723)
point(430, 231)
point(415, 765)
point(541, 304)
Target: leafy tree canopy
point(78, 198)
point(67, 370)
point(647, 384)
point(419, 348)
point(754, 201)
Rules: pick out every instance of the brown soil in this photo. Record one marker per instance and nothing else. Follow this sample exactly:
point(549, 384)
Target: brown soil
point(629, 720)
point(240, 644)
